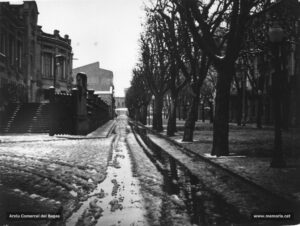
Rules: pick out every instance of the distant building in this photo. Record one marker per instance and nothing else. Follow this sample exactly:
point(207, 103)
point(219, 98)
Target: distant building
point(100, 80)
point(27, 55)
point(120, 102)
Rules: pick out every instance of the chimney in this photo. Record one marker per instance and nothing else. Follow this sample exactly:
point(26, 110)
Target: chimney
point(56, 32)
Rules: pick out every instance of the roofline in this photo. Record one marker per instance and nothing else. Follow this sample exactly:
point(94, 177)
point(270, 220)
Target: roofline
point(97, 62)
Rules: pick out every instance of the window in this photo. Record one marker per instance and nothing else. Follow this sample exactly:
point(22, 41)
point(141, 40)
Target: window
point(2, 43)
point(11, 50)
point(60, 68)
point(47, 65)
point(19, 54)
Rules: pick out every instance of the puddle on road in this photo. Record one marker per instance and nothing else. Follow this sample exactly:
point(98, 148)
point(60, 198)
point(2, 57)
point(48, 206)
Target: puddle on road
point(117, 200)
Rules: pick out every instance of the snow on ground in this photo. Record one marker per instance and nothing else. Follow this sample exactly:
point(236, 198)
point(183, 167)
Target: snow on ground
point(162, 208)
point(56, 174)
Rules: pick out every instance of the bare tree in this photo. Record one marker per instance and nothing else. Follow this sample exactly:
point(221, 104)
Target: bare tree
point(169, 23)
point(186, 57)
point(155, 66)
point(206, 20)
point(138, 96)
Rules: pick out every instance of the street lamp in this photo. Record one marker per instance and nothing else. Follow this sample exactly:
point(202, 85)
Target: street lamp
point(276, 35)
point(211, 109)
point(202, 110)
point(186, 109)
point(259, 109)
point(153, 99)
point(57, 60)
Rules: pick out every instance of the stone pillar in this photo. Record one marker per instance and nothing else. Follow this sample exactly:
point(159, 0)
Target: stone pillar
point(91, 94)
point(74, 110)
point(81, 123)
point(51, 93)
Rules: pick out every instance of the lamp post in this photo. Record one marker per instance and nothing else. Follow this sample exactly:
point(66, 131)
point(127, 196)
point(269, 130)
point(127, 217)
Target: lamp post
point(259, 110)
point(57, 60)
point(186, 109)
point(211, 110)
point(202, 110)
point(244, 100)
point(148, 114)
point(153, 99)
point(276, 35)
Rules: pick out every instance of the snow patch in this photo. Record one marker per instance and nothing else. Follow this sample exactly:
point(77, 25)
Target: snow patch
point(73, 193)
point(34, 196)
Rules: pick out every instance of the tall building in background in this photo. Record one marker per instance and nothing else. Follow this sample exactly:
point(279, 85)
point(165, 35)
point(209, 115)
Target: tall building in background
point(100, 80)
point(29, 57)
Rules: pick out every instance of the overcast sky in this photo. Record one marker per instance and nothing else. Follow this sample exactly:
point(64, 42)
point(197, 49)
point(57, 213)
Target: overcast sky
point(100, 30)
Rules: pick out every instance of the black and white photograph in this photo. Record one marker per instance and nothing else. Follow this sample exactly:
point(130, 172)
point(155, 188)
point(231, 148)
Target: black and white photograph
point(149, 112)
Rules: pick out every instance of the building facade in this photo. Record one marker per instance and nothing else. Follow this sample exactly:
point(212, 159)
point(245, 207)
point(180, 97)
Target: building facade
point(54, 63)
point(28, 56)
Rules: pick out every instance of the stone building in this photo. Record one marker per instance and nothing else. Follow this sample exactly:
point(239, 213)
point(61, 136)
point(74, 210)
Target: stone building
point(54, 63)
point(29, 57)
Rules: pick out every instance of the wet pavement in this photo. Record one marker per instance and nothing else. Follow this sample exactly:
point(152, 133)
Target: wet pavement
point(87, 180)
point(117, 199)
point(269, 190)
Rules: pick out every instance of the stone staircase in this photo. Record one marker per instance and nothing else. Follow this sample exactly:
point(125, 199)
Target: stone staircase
point(41, 119)
point(8, 117)
point(26, 118)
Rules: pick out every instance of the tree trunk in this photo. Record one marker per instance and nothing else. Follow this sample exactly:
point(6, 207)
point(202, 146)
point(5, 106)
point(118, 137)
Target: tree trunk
point(297, 90)
point(171, 129)
point(220, 128)
point(277, 88)
point(277, 155)
point(154, 117)
point(285, 103)
point(179, 109)
point(137, 114)
point(211, 111)
point(203, 112)
point(259, 112)
point(189, 125)
point(157, 116)
point(143, 115)
point(239, 108)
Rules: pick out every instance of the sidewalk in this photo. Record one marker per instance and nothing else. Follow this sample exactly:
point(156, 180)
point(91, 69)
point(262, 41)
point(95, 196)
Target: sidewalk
point(102, 132)
point(249, 157)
